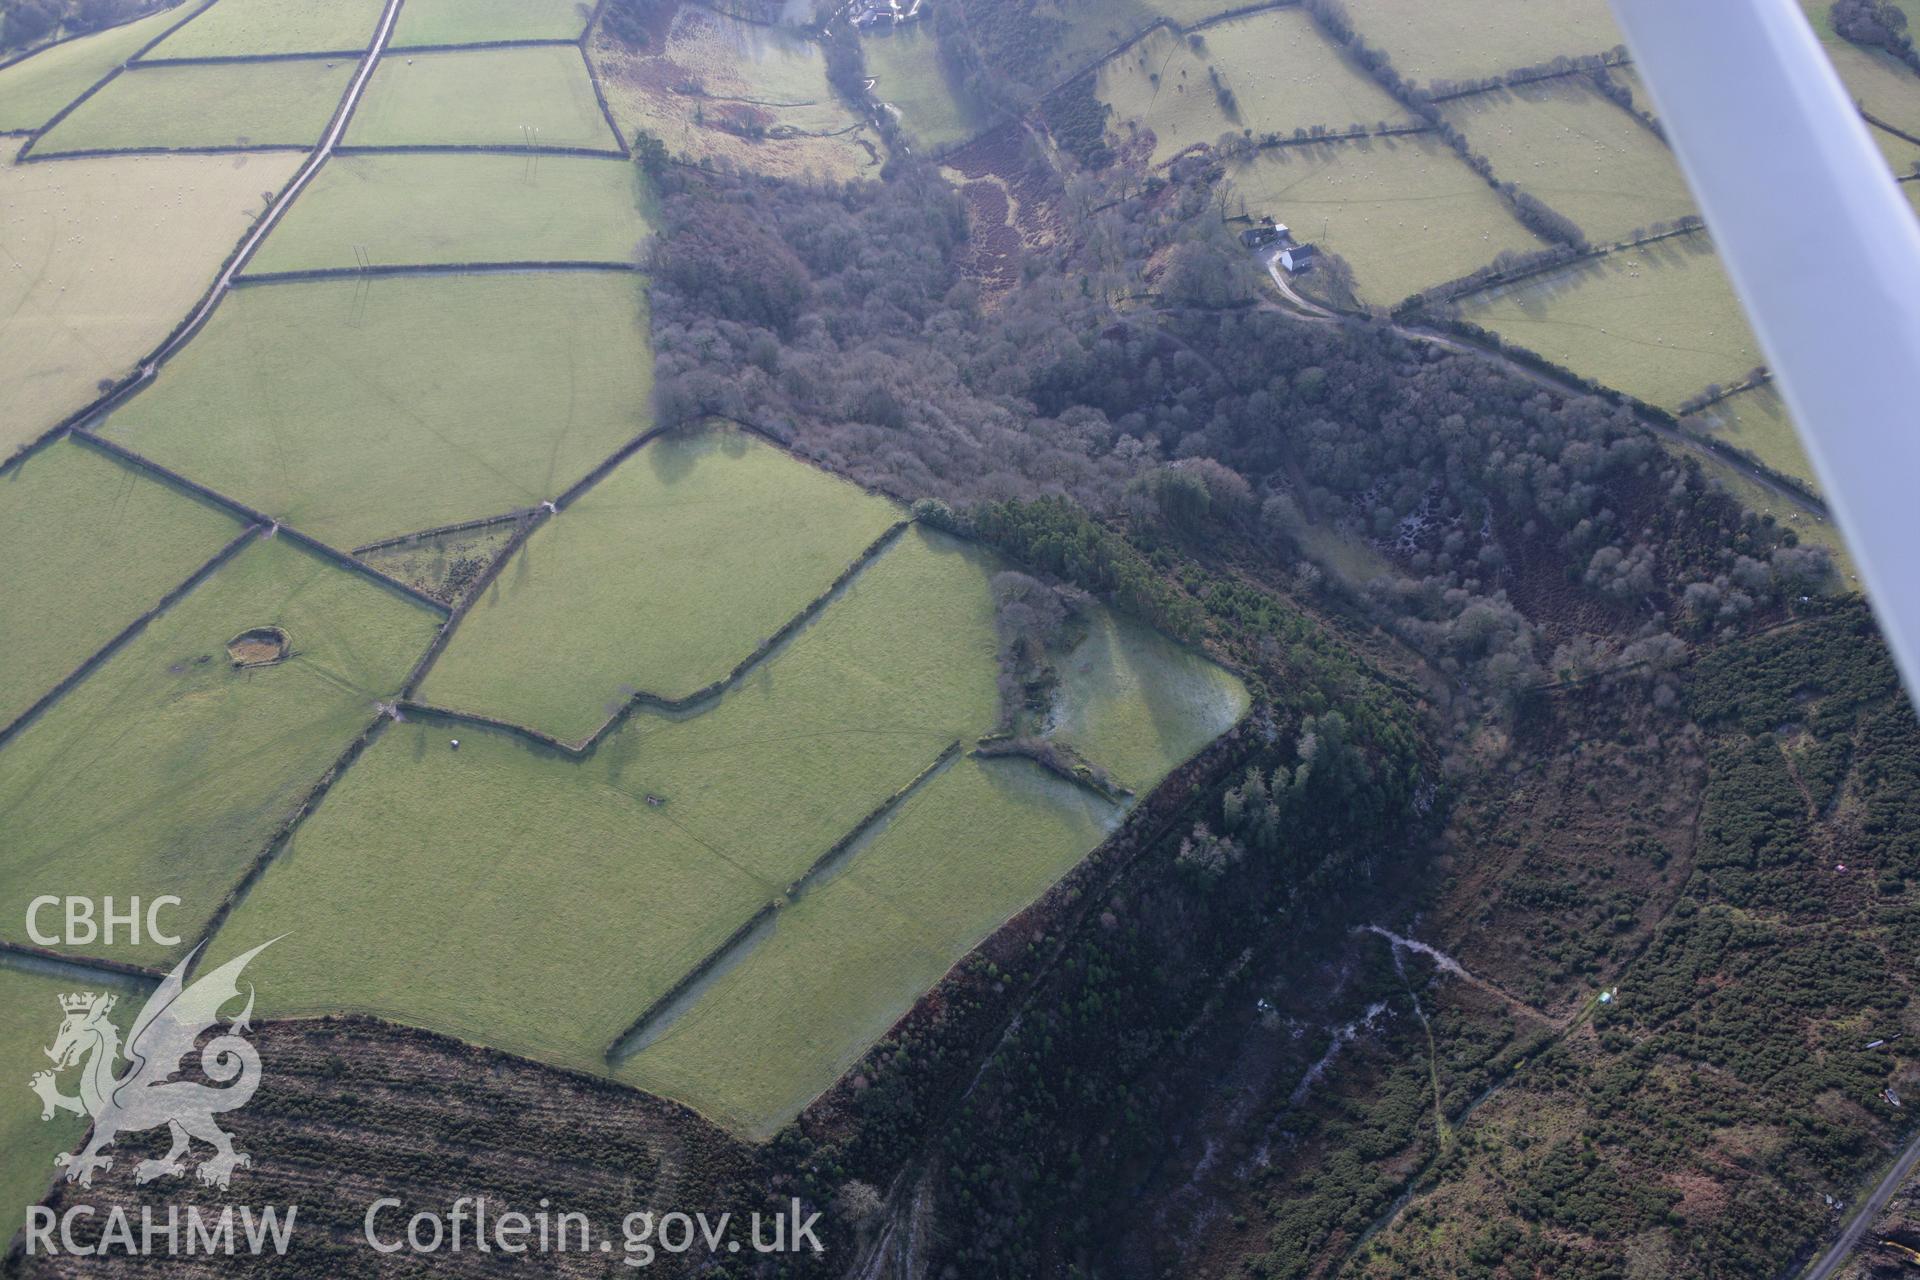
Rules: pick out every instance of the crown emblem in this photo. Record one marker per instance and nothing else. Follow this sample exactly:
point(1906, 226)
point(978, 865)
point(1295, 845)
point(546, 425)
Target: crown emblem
point(81, 1001)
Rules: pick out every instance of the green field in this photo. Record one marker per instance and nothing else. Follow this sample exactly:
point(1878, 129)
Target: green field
point(1405, 212)
point(1561, 141)
point(244, 28)
point(482, 97)
point(752, 791)
point(1090, 30)
point(908, 77)
point(167, 769)
point(1660, 322)
point(661, 578)
point(100, 259)
point(1139, 705)
point(91, 544)
point(461, 207)
point(496, 893)
point(1280, 73)
point(236, 104)
point(758, 1040)
point(30, 1018)
point(432, 886)
point(476, 21)
point(1877, 81)
point(724, 90)
point(1465, 39)
point(1879, 84)
point(360, 410)
point(35, 90)
point(1757, 421)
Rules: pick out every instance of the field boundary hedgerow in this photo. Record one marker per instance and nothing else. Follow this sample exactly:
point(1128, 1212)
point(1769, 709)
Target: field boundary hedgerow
point(666, 1000)
point(228, 59)
point(1450, 291)
point(311, 274)
point(484, 148)
point(707, 693)
point(441, 530)
point(550, 42)
point(93, 660)
point(95, 964)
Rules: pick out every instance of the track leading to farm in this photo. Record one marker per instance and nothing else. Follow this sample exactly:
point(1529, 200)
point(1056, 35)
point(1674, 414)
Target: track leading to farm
point(271, 218)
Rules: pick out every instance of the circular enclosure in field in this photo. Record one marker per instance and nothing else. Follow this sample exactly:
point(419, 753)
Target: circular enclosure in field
point(259, 647)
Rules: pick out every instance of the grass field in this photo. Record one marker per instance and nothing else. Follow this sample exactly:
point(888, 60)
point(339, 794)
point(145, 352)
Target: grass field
point(474, 21)
point(754, 96)
point(167, 769)
point(1465, 39)
point(91, 544)
point(661, 578)
point(908, 77)
point(1405, 212)
point(1092, 29)
point(1877, 81)
point(1562, 142)
point(30, 1017)
point(1757, 421)
point(243, 28)
point(752, 791)
point(1139, 705)
point(461, 207)
point(33, 91)
point(1281, 74)
point(235, 104)
point(482, 97)
point(1660, 322)
point(1879, 84)
point(831, 973)
point(99, 259)
point(357, 410)
point(432, 884)
point(496, 893)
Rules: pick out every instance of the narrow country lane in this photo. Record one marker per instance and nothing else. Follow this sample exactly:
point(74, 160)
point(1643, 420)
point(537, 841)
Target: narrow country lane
point(271, 217)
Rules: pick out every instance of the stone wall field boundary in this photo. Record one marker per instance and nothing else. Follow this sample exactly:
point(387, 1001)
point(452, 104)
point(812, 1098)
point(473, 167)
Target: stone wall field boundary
point(441, 531)
point(93, 660)
point(312, 274)
point(120, 968)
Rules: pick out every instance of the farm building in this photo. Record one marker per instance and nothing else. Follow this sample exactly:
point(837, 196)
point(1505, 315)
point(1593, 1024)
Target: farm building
point(1298, 258)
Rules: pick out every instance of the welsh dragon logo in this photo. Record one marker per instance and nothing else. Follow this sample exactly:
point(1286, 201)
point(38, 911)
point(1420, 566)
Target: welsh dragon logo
point(146, 1095)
